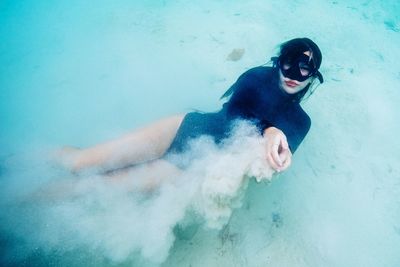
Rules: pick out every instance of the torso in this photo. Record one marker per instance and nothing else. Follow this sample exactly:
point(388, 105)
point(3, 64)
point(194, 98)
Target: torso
point(256, 96)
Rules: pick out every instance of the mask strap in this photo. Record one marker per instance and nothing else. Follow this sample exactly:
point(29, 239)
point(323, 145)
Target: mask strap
point(320, 77)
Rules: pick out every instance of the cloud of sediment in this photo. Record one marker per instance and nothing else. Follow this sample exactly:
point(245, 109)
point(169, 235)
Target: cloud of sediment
point(113, 217)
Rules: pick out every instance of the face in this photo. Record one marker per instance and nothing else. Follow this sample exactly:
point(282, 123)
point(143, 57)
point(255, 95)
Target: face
point(293, 86)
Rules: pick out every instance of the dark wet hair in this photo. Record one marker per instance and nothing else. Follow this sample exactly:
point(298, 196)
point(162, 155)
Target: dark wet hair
point(300, 45)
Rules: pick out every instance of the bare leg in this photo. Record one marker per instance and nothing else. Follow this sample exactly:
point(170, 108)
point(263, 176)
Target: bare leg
point(145, 177)
point(141, 145)
point(142, 178)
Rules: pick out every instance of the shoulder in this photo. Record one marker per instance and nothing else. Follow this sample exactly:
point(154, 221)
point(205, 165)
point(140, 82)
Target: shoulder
point(257, 72)
point(251, 81)
point(255, 77)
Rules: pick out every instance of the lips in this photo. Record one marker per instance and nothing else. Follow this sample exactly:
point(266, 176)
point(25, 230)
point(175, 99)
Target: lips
point(290, 83)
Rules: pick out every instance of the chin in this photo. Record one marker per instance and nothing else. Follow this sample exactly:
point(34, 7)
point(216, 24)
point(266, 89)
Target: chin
point(289, 90)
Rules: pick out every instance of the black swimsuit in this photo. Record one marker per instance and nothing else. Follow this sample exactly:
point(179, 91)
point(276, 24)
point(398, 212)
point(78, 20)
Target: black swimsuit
point(256, 97)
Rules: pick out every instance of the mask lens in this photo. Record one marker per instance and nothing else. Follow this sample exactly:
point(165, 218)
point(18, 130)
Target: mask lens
point(286, 66)
point(305, 69)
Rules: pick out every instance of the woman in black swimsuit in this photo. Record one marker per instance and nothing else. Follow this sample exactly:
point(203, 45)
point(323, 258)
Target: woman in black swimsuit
point(268, 97)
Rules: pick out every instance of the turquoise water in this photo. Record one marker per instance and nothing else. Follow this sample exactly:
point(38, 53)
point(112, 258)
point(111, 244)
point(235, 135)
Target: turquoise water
point(82, 72)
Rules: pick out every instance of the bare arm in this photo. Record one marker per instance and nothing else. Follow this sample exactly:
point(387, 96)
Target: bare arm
point(144, 144)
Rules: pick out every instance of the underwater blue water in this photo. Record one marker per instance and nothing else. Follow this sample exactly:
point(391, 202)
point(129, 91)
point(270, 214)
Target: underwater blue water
point(83, 72)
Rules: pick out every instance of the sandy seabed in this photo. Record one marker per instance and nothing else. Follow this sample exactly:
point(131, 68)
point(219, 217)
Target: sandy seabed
point(82, 73)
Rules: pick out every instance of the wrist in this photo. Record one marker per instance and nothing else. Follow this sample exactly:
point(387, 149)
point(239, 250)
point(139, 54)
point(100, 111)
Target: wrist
point(271, 130)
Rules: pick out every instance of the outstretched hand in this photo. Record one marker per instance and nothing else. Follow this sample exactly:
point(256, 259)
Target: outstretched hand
point(278, 152)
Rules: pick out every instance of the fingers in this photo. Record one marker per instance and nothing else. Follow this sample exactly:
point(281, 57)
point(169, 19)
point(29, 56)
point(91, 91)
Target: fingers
point(272, 162)
point(275, 154)
point(283, 143)
point(278, 152)
point(279, 161)
point(283, 155)
point(286, 159)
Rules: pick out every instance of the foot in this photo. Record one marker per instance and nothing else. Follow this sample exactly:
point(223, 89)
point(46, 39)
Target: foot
point(66, 157)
